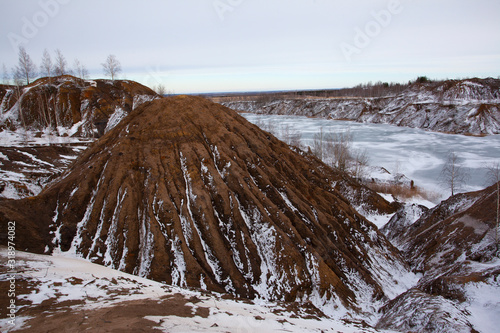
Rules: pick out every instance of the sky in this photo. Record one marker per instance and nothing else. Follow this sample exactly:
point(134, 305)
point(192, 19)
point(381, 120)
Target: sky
point(202, 46)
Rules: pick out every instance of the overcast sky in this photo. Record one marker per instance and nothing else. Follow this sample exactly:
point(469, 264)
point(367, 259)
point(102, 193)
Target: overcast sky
point(246, 45)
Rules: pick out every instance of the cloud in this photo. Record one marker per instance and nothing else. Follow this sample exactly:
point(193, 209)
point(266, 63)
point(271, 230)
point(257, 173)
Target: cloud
point(257, 37)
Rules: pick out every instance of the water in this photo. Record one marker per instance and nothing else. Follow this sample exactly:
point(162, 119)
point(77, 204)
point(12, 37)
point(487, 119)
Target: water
point(418, 154)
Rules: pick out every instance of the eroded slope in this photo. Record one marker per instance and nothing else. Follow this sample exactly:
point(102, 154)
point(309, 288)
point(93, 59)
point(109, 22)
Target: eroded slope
point(188, 192)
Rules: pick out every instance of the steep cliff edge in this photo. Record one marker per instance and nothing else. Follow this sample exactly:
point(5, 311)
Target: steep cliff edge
point(469, 106)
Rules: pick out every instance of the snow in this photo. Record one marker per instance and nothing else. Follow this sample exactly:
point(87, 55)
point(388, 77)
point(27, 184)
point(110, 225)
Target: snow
point(380, 220)
point(141, 99)
point(179, 267)
point(34, 158)
point(264, 237)
point(211, 259)
point(111, 241)
point(416, 311)
point(232, 316)
point(21, 138)
point(63, 278)
point(10, 192)
point(51, 269)
point(69, 132)
point(115, 118)
point(293, 208)
point(92, 83)
point(146, 244)
point(417, 200)
point(484, 305)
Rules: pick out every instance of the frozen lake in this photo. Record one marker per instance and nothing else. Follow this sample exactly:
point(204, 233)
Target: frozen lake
point(418, 154)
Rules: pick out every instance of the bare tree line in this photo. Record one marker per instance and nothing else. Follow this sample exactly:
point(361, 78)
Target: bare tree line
point(26, 70)
point(366, 90)
point(334, 149)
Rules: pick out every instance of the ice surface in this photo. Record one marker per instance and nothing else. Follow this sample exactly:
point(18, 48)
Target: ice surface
point(418, 154)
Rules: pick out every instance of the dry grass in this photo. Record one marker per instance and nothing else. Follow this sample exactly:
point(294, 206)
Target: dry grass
point(403, 192)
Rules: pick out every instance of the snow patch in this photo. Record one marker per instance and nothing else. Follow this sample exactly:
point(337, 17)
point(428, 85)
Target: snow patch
point(115, 118)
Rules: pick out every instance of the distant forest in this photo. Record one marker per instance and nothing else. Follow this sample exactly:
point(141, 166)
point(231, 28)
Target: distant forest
point(378, 89)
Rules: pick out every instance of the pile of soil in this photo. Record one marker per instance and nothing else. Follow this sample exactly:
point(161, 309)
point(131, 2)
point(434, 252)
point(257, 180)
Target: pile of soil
point(52, 103)
point(188, 192)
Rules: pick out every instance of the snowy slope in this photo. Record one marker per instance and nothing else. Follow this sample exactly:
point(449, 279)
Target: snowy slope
point(26, 168)
point(465, 107)
point(453, 246)
point(105, 299)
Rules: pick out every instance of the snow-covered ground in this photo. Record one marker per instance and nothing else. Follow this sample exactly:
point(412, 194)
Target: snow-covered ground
point(56, 281)
point(418, 154)
point(28, 161)
point(31, 138)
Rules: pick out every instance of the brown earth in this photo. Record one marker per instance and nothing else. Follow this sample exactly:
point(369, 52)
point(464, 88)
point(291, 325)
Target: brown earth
point(188, 192)
point(452, 245)
point(454, 228)
point(66, 100)
point(26, 170)
point(121, 317)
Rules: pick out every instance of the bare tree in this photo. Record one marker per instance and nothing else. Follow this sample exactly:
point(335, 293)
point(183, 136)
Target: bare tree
point(336, 150)
point(80, 70)
point(268, 127)
point(46, 67)
point(340, 148)
point(318, 147)
point(19, 96)
point(494, 177)
point(161, 90)
point(291, 136)
point(453, 176)
point(111, 67)
point(333, 148)
point(5, 75)
point(26, 69)
point(16, 77)
point(360, 163)
point(61, 65)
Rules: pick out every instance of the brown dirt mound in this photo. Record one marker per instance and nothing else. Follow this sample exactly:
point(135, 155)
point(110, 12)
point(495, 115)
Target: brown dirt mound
point(188, 192)
point(463, 225)
point(67, 100)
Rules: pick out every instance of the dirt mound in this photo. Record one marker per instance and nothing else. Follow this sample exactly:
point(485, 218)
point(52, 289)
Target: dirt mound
point(454, 246)
point(463, 225)
point(188, 192)
point(66, 105)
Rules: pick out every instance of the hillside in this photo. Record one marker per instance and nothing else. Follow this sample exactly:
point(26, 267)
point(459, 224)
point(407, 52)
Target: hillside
point(469, 106)
point(25, 171)
point(186, 191)
point(69, 106)
point(454, 246)
point(106, 300)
